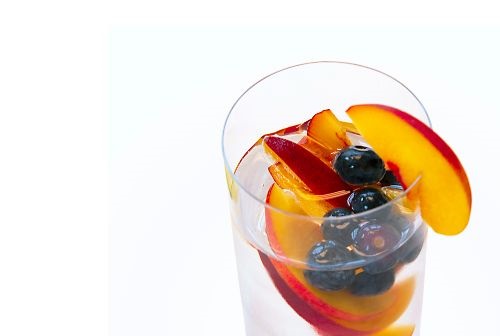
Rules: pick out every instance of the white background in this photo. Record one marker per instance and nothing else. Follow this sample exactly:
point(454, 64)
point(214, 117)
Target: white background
point(113, 210)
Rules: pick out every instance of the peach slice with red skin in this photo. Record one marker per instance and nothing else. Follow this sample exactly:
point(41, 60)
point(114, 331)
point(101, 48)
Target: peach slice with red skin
point(293, 236)
point(311, 204)
point(322, 325)
point(324, 154)
point(310, 170)
point(412, 149)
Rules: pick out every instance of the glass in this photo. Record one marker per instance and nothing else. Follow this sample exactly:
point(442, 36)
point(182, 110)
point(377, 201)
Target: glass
point(275, 287)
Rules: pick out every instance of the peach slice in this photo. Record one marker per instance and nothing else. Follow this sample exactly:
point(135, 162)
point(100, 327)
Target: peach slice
point(288, 235)
point(354, 312)
point(410, 148)
point(323, 325)
point(349, 127)
point(293, 237)
point(311, 204)
point(320, 151)
point(404, 330)
point(286, 179)
point(310, 170)
point(232, 186)
point(326, 129)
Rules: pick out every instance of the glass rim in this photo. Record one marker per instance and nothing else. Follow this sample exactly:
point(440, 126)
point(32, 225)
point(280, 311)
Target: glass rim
point(234, 178)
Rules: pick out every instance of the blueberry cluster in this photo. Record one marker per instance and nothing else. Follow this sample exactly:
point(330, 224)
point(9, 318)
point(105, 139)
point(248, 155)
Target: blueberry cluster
point(347, 237)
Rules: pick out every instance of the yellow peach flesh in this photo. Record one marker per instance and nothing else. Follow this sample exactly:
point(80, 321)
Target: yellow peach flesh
point(412, 149)
point(406, 330)
point(326, 129)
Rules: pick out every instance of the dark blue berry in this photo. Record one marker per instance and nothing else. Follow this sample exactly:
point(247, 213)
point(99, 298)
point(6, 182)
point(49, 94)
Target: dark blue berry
point(381, 236)
point(328, 253)
point(336, 228)
point(359, 165)
point(329, 280)
point(400, 221)
point(390, 179)
point(412, 248)
point(338, 212)
point(374, 238)
point(366, 198)
point(365, 284)
point(382, 265)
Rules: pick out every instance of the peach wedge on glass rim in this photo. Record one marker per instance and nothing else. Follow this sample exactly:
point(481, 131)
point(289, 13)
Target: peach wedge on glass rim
point(411, 149)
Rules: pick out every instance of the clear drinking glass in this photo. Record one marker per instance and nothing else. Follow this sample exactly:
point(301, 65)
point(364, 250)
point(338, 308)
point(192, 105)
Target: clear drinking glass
point(277, 298)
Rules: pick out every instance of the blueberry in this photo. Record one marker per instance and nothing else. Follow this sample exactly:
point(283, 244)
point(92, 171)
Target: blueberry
point(374, 238)
point(366, 198)
point(323, 254)
point(372, 284)
point(412, 248)
point(338, 212)
point(337, 229)
point(329, 280)
point(382, 265)
point(400, 221)
point(327, 252)
point(359, 165)
point(381, 235)
point(390, 179)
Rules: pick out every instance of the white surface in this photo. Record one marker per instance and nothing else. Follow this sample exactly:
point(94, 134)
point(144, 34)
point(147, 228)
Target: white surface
point(54, 142)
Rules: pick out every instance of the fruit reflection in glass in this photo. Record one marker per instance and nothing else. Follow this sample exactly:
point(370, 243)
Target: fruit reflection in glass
point(331, 194)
